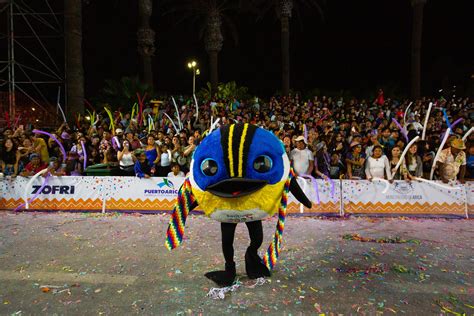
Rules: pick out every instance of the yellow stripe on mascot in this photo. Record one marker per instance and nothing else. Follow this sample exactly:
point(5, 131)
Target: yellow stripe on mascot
point(239, 173)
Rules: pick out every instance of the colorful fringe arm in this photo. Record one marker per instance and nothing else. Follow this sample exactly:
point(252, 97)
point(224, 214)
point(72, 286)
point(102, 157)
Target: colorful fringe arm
point(271, 256)
point(175, 232)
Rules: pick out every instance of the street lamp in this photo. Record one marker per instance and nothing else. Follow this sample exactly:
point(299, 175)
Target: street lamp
point(193, 66)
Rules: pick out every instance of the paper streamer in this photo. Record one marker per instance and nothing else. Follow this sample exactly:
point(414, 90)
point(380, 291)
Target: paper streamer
point(141, 104)
point(112, 124)
point(468, 133)
point(134, 110)
point(322, 119)
point(85, 154)
point(59, 105)
point(213, 126)
point(426, 121)
point(333, 186)
point(443, 186)
point(315, 185)
point(387, 184)
point(404, 153)
point(405, 115)
point(446, 118)
point(151, 124)
point(27, 188)
point(456, 122)
point(116, 143)
point(197, 107)
point(305, 133)
point(402, 130)
point(169, 118)
point(177, 113)
point(63, 151)
point(445, 138)
point(94, 117)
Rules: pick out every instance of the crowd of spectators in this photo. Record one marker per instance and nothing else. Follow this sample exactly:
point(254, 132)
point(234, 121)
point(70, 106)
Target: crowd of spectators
point(323, 136)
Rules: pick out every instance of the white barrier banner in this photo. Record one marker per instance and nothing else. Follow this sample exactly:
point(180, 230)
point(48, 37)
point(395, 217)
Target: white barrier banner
point(401, 197)
point(159, 194)
point(92, 193)
point(325, 196)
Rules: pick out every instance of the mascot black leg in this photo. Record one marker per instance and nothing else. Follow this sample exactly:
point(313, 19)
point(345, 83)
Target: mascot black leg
point(254, 265)
point(227, 277)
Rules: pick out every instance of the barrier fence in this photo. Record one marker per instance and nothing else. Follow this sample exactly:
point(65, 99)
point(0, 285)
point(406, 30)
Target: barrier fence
point(159, 194)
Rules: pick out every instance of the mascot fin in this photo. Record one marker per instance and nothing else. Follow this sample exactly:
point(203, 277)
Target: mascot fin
point(298, 193)
point(185, 204)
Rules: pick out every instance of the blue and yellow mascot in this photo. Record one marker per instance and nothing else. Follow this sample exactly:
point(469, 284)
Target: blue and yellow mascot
point(239, 173)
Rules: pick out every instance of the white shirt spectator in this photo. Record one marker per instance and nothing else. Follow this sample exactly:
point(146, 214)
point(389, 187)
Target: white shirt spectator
point(127, 160)
point(171, 174)
point(165, 160)
point(301, 160)
point(377, 167)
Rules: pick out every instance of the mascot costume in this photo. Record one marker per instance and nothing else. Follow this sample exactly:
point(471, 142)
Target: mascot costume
point(239, 173)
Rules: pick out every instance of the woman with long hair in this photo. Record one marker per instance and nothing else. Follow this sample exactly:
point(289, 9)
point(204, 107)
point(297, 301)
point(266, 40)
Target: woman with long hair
point(9, 158)
point(414, 163)
point(126, 159)
point(355, 161)
point(401, 173)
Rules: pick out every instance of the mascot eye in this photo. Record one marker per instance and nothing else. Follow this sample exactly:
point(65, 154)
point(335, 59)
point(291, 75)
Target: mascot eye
point(209, 167)
point(263, 164)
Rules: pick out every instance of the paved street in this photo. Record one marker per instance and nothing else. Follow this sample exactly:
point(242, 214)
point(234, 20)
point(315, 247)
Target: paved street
point(91, 264)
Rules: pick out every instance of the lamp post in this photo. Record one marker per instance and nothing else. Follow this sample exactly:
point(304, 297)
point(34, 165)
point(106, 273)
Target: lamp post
point(193, 66)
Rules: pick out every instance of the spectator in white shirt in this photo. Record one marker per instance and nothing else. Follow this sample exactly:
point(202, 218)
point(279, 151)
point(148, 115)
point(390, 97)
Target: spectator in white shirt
point(175, 171)
point(378, 165)
point(302, 158)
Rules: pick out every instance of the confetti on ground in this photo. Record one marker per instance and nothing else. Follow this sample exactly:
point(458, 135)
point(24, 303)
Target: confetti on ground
point(117, 264)
point(382, 240)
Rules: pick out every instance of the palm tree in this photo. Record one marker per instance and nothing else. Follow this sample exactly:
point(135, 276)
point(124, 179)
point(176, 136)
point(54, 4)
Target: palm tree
point(417, 32)
point(284, 11)
point(74, 67)
point(212, 17)
point(146, 40)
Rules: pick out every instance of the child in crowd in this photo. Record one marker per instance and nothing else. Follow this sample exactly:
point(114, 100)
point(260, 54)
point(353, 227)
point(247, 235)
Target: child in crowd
point(142, 167)
point(336, 168)
point(175, 171)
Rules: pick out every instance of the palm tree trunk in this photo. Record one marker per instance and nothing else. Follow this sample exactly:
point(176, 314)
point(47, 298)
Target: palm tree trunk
point(213, 45)
point(285, 55)
point(146, 41)
point(74, 66)
point(417, 32)
point(213, 64)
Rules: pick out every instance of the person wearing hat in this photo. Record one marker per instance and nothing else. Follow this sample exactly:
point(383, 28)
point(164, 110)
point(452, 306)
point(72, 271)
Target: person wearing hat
point(34, 166)
point(452, 161)
point(119, 133)
point(301, 157)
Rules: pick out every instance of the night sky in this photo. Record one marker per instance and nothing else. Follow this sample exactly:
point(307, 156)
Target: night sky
point(359, 46)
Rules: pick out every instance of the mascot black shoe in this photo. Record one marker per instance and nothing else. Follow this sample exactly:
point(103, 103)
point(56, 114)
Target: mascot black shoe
point(239, 174)
point(254, 265)
point(223, 278)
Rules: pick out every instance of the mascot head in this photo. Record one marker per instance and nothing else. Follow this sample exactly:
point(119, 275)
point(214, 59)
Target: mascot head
point(238, 173)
